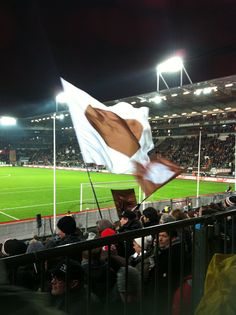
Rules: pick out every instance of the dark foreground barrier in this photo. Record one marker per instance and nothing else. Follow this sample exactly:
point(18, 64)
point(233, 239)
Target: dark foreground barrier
point(167, 280)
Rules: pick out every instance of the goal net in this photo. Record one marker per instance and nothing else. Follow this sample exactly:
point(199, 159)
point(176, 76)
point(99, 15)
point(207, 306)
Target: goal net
point(104, 194)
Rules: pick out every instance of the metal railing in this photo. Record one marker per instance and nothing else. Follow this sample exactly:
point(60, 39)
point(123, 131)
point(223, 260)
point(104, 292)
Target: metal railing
point(209, 234)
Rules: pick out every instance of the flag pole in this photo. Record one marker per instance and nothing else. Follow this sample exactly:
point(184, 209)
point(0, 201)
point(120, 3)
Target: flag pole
point(199, 164)
point(235, 161)
point(94, 193)
point(54, 172)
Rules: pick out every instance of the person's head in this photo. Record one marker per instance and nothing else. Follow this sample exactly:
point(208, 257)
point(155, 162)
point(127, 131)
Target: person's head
point(13, 247)
point(150, 215)
point(166, 218)
point(72, 271)
point(103, 224)
point(66, 226)
point(127, 216)
point(163, 239)
point(137, 246)
point(95, 254)
point(178, 214)
point(230, 201)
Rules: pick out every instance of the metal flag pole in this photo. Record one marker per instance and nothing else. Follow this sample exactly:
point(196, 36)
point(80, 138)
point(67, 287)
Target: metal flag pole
point(54, 173)
point(199, 163)
point(235, 161)
point(54, 170)
point(94, 193)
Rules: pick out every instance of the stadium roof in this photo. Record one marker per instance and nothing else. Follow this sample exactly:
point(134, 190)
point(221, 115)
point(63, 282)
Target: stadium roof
point(197, 97)
point(212, 96)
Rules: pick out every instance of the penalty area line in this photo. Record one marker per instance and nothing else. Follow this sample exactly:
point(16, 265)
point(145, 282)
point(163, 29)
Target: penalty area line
point(8, 215)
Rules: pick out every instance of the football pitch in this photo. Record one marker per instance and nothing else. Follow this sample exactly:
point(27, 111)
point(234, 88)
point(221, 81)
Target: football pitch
point(25, 192)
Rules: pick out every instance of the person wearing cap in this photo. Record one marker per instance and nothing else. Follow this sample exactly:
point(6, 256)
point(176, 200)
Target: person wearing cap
point(68, 292)
point(128, 222)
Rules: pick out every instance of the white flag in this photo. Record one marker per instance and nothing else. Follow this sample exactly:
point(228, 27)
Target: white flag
point(155, 174)
point(113, 136)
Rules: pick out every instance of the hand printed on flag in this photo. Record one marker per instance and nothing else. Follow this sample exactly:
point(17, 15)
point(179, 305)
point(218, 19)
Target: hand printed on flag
point(113, 136)
point(114, 130)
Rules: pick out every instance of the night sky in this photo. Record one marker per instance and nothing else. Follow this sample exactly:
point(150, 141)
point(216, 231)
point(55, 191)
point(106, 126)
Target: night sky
point(108, 48)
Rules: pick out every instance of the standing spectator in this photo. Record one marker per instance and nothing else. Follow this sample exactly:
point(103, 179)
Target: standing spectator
point(128, 222)
point(168, 243)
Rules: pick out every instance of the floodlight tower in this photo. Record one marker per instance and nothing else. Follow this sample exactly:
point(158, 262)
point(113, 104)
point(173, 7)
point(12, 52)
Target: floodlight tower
point(8, 121)
point(54, 117)
point(171, 65)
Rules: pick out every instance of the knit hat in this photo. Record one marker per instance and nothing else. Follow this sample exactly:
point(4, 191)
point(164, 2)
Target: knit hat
point(108, 232)
point(103, 224)
point(230, 201)
point(67, 225)
point(13, 247)
point(147, 241)
point(134, 283)
point(71, 268)
point(130, 215)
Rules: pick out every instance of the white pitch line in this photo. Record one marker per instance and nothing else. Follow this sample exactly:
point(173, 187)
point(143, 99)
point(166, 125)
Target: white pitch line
point(8, 215)
point(35, 190)
point(41, 205)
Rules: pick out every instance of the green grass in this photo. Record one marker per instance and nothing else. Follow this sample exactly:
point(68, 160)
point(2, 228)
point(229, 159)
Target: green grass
point(24, 192)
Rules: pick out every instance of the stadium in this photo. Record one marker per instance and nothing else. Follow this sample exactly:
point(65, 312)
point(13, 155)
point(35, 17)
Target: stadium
point(176, 116)
point(45, 183)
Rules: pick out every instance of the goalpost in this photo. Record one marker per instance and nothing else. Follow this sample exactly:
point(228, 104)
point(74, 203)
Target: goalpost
point(104, 195)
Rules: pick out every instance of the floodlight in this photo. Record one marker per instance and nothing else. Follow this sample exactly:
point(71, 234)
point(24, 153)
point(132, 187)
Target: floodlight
point(7, 121)
point(156, 99)
point(173, 64)
point(60, 117)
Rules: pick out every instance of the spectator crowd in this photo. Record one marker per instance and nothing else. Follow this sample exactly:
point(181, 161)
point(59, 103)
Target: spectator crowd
point(130, 271)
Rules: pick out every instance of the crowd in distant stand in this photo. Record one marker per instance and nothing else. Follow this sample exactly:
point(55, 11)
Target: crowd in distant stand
point(67, 280)
point(214, 151)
